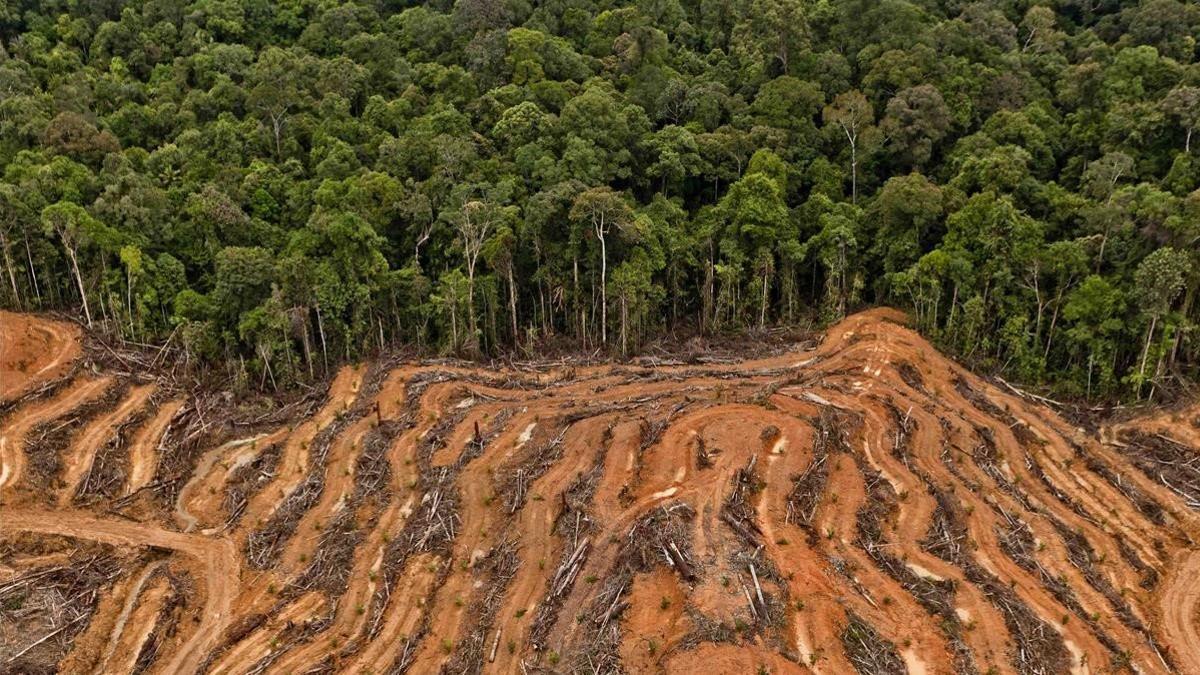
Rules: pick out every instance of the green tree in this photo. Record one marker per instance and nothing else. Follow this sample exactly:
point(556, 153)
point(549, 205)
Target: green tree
point(13, 213)
point(1160, 278)
point(276, 89)
point(907, 212)
point(135, 268)
point(770, 32)
point(266, 328)
point(837, 246)
point(1093, 311)
point(500, 252)
point(757, 218)
point(243, 280)
point(676, 156)
point(342, 266)
point(636, 293)
point(916, 120)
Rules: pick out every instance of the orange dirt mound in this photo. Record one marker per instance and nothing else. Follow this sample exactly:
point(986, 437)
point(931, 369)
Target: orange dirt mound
point(32, 351)
point(862, 505)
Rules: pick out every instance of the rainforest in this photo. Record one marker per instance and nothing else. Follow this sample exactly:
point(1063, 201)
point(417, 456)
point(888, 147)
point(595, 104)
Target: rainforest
point(277, 187)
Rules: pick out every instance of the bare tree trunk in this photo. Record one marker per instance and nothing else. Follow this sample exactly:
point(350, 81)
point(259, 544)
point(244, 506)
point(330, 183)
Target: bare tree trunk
point(32, 270)
point(129, 301)
point(87, 312)
point(1189, 298)
point(16, 296)
point(624, 326)
point(8, 265)
point(472, 338)
point(263, 354)
point(675, 293)
point(1145, 353)
point(546, 320)
point(287, 350)
point(706, 306)
point(307, 347)
point(324, 345)
point(603, 286)
point(592, 305)
point(493, 312)
point(277, 127)
point(937, 308)
point(1091, 363)
point(425, 234)
point(1103, 245)
point(1041, 306)
point(512, 303)
point(843, 282)
point(853, 171)
point(762, 304)
point(1053, 323)
point(104, 305)
point(578, 305)
point(953, 307)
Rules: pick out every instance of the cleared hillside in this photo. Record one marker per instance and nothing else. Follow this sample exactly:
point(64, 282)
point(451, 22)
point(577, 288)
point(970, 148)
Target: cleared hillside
point(857, 503)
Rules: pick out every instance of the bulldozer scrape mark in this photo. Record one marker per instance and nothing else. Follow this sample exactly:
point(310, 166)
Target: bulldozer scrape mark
point(863, 504)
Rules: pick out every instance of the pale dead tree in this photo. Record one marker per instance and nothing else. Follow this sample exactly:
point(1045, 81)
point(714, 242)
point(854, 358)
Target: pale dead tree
point(602, 209)
point(854, 115)
point(500, 251)
point(72, 224)
point(1100, 179)
point(419, 211)
point(10, 213)
point(474, 223)
point(276, 89)
point(1183, 103)
point(278, 119)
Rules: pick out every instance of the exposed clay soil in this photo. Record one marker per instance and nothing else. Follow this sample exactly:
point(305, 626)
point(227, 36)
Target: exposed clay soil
point(854, 503)
point(34, 351)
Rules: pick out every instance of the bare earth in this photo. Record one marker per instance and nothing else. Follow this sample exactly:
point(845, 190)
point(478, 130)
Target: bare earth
point(864, 504)
point(34, 351)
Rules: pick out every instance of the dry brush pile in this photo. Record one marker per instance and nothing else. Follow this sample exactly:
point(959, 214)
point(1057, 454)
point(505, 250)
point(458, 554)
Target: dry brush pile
point(857, 504)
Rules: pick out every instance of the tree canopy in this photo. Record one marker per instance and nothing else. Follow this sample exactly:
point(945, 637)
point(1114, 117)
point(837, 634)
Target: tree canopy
point(282, 185)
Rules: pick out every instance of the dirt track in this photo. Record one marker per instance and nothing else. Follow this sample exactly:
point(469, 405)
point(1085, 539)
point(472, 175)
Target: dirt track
point(864, 504)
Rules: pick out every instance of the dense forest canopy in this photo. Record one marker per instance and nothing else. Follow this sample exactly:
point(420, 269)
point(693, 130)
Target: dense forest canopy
point(280, 184)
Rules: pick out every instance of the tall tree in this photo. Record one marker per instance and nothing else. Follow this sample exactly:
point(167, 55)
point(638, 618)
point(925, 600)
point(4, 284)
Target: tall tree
point(1160, 278)
point(12, 212)
point(757, 221)
point(917, 119)
point(474, 222)
point(276, 90)
point(500, 251)
point(852, 114)
point(602, 209)
point(74, 227)
point(1183, 103)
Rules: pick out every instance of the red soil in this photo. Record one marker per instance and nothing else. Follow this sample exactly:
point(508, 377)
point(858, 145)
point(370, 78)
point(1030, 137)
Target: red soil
point(865, 505)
